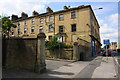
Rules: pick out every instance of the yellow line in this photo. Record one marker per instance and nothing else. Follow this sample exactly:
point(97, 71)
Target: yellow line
point(116, 62)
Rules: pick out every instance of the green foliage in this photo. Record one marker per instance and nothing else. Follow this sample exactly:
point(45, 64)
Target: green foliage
point(54, 44)
point(7, 24)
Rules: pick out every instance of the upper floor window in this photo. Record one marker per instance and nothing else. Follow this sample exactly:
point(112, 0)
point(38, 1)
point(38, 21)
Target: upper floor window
point(41, 20)
point(50, 28)
point(18, 31)
point(33, 21)
point(73, 15)
point(18, 23)
point(41, 29)
point(25, 23)
point(61, 29)
point(12, 32)
point(61, 17)
point(25, 30)
point(32, 29)
point(73, 28)
point(50, 18)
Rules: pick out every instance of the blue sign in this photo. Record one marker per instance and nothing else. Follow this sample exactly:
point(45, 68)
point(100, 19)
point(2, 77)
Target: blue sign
point(107, 41)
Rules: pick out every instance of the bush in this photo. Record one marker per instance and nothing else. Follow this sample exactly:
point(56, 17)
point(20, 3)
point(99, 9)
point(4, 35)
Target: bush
point(54, 44)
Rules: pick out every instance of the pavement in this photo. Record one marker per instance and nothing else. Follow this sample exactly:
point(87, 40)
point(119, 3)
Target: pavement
point(106, 69)
point(99, 67)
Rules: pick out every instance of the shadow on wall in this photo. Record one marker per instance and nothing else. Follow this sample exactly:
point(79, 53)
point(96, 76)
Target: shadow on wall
point(19, 53)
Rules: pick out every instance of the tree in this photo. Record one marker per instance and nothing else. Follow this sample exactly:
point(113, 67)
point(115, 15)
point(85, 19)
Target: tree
point(6, 25)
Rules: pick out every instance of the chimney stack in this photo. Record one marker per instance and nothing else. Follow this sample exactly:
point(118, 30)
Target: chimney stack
point(35, 13)
point(24, 15)
point(14, 17)
point(65, 7)
point(49, 10)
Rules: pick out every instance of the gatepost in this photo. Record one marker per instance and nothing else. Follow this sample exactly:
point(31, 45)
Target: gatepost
point(40, 61)
point(76, 55)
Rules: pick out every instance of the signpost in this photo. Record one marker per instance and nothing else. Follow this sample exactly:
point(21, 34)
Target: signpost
point(107, 42)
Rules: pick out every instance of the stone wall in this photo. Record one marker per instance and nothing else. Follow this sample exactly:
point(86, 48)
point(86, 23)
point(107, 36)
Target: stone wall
point(19, 53)
point(62, 53)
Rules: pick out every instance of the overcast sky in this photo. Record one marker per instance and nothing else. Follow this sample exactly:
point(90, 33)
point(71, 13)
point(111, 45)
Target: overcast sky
point(107, 17)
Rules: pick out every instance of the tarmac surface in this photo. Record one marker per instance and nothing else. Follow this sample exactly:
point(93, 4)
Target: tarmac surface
point(99, 67)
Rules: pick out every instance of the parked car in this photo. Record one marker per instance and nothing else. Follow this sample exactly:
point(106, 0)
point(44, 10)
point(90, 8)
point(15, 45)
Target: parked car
point(108, 51)
point(114, 51)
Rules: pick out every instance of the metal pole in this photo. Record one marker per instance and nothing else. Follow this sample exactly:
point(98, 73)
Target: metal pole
point(106, 52)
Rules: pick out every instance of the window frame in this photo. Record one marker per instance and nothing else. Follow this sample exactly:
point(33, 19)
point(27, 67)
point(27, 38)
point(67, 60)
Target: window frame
point(18, 31)
point(50, 18)
point(33, 28)
point(25, 23)
point(40, 30)
point(61, 30)
point(25, 29)
point(73, 15)
point(18, 23)
point(41, 20)
point(61, 18)
point(33, 21)
point(73, 28)
point(50, 28)
point(49, 37)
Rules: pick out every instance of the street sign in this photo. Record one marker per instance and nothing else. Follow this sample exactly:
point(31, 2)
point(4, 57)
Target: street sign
point(107, 41)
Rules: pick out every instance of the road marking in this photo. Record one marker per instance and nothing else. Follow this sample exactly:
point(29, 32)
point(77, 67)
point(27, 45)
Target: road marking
point(116, 61)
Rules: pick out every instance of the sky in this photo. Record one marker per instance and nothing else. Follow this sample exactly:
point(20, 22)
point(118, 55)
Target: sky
point(107, 17)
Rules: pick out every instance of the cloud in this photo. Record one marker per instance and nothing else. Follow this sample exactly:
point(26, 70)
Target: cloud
point(113, 19)
point(9, 7)
point(109, 27)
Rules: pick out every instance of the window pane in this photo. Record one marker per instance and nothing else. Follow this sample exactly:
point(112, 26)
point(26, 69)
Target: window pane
point(41, 29)
point(25, 23)
point(49, 37)
point(73, 26)
point(60, 29)
point(18, 31)
point(61, 17)
point(50, 18)
point(73, 15)
point(50, 28)
point(33, 21)
point(41, 20)
point(18, 23)
point(32, 29)
point(25, 30)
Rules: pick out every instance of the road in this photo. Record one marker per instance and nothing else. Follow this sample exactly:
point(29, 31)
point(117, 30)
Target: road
point(18, 73)
point(98, 67)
